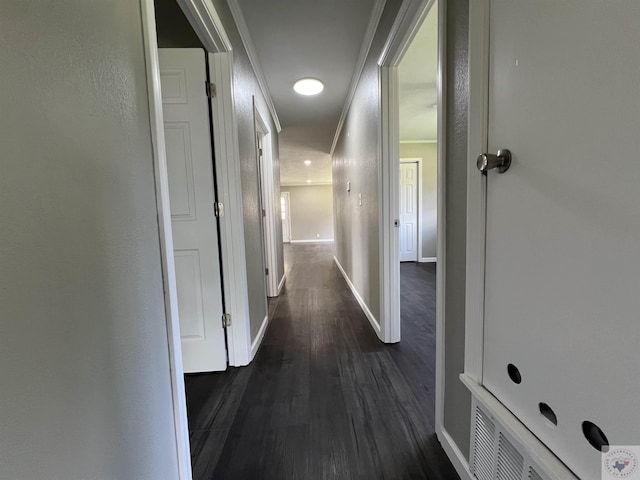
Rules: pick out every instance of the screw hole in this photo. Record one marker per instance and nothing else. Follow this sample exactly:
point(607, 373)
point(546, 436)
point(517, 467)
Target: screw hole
point(547, 412)
point(514, 373)
point(595, 436)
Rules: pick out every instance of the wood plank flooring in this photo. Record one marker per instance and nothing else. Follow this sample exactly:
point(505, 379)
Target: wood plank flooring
point(324, 398)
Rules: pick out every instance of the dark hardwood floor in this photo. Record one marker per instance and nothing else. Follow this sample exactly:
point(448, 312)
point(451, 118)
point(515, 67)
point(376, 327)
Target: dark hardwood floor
point(324, 398)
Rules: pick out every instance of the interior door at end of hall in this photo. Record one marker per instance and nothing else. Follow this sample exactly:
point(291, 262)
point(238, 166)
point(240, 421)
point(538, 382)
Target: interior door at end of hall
point(183, 74)
point(409, 212)
point(562, 299)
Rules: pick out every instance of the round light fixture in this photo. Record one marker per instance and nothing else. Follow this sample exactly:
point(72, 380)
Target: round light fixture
point(307, 162)
point(308, 86)
point(308, 181)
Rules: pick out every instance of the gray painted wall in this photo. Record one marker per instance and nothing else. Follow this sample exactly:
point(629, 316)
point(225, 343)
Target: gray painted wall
point(245, 89)
point(457, 401)
point(429, 201)
point(311, 211)
point(83, 343)
point(356, 160)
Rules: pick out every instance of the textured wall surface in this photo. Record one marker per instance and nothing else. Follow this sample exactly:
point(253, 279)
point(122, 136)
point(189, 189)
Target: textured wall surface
point(356, 160)
point(311, 209)
point(428, 152)
point(246, 89)
point(83, 343)
point(457, 398)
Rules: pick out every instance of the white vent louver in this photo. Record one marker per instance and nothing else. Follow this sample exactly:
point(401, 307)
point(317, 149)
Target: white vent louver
point(483, 446)
point(510, 462)
point(499, 454)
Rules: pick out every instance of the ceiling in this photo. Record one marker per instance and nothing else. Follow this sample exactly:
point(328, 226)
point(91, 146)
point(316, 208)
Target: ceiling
point(417, 75)
point(293, 39)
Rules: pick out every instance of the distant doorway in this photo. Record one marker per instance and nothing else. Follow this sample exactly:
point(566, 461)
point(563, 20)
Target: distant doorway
point(286, 217)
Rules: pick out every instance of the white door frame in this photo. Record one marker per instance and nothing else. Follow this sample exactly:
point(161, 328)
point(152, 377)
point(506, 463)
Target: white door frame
point(418, 161)
point(210, 30)
point(268, 202)
point(477, 136)
point(409, 19)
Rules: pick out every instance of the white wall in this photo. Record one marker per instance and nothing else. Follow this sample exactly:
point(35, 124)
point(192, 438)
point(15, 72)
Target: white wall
point(83, 344)
point(310, 212)
point(428, 152)
point(246, 88)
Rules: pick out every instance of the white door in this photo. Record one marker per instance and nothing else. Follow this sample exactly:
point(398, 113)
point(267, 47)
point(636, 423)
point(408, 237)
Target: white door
point(409, 212)
point(284, 214)
point(562, 299)
point(191, 191)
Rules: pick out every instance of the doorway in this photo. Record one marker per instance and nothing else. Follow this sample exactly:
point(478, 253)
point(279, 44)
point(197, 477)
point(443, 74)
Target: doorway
point(285, 216)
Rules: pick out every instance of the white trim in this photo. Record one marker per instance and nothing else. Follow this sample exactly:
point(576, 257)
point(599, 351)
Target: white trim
point(417, 160)
point(205, 21)
point(457, 458)
point(314, 240)
point(441, 271)
point(255, 345)
point(476, 187)
point(428, 259)
point(181, 426)
point(281, 284)
point(372, 320)
point(405, 27)
point(389, 213)
point(229, 188)
point(418, 141)
point(268, 202)
point(370, 32)
point(243, 30)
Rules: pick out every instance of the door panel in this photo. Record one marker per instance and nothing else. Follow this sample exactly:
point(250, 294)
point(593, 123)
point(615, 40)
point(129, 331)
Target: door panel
point(562, 296)
point(284, 213)
point(192, 197)
point(409, 212)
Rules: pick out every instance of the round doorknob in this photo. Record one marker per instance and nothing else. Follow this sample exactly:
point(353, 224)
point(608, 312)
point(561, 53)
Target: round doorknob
point(489, 161)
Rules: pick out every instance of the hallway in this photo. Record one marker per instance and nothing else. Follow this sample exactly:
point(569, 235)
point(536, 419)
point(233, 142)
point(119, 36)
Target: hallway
point(323, 399)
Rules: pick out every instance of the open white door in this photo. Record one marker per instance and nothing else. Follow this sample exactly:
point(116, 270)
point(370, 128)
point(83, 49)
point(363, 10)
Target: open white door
point(562, 302)
point(286, 220)
point(191, 190)
point(409, 212)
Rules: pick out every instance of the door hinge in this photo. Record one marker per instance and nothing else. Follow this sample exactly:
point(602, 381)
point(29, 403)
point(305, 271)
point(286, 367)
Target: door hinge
point(266, 271)
point(226, 320)
point(211, 89)
point(264, 212)
point(218, 208)
point(260, 152)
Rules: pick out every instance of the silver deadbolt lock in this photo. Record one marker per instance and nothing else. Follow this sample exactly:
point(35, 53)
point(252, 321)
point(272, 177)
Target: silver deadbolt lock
point(488, 161)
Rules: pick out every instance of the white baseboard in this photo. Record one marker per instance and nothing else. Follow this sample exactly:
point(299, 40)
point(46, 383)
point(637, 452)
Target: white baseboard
point(456, 457)
point(255, 345)
point(428, 259)
point(281, 284)
point(313, 240)
point(372, 320)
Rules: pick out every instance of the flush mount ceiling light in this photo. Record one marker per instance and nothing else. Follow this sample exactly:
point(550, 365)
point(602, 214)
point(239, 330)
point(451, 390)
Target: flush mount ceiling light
point(308, 181)
point(307, 162)
point(308, 86)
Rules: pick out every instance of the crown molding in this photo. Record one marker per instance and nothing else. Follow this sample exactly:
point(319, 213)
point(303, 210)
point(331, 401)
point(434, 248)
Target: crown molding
point(372, 26)
point(243, 30)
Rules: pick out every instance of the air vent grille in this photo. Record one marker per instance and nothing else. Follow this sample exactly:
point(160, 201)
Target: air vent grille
point(510, 462)
point(484, 446)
